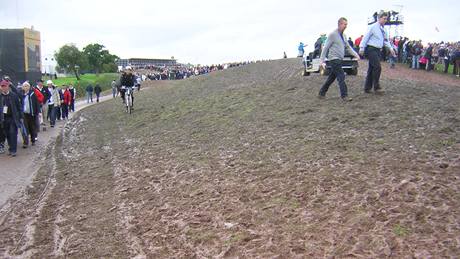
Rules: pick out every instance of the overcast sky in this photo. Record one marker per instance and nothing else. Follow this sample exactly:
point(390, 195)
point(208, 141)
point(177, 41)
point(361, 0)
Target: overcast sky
point(214, 31)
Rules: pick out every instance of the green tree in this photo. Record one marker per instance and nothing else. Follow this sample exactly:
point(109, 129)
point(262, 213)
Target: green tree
point(100, 59)
point(70, 58)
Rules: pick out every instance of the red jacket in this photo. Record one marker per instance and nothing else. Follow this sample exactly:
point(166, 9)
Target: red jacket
point(67, 97)
point(358, 41)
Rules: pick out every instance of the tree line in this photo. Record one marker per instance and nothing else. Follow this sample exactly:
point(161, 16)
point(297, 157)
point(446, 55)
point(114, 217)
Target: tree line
point(93, 58)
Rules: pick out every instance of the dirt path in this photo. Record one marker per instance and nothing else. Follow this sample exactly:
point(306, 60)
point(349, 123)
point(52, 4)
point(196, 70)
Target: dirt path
point(247, 162)
point(16, 173)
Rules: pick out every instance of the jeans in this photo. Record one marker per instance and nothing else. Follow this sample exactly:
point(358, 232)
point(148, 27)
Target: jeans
point(52, 111)
point(415, 63)
point(10, 133)
point(428, 64)
point(89, 96)
point(65, 111)
point(336, 72)
point(374, 70)
point(58, 113)
point(30, 124)
point(44, 113)
point(446, 64)
point(392, 61)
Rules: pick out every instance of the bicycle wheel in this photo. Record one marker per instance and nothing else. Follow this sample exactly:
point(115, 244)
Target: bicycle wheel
point(130, 104)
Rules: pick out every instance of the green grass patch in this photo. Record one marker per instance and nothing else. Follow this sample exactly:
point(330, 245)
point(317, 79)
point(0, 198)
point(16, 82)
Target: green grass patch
point(400, 231)
point(104, 81)
point(440, 68)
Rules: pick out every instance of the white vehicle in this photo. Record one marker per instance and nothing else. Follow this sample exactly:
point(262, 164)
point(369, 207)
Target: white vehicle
point(312, 64)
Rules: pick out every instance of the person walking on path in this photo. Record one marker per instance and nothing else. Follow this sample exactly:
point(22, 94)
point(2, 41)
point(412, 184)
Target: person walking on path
point(73, 94)
point(114, 89)
point(46, 96)
point(54, 105)
point(10, 118)
point(373, 41)
point(66, 103)
point(31, 109)
point(89, 93)
point(97, 90)
point(334, 49)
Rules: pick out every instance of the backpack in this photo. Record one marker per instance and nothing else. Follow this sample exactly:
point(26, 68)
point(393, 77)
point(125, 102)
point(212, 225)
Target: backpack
point(39, 95)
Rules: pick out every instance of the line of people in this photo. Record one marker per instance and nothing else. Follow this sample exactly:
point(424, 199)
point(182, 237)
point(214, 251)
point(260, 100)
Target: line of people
point(28, 109)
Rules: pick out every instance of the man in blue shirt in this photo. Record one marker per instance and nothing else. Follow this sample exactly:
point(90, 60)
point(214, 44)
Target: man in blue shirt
point(374, 41)
point(301, 50)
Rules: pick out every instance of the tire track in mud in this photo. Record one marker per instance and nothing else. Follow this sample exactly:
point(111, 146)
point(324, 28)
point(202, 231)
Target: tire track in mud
point(21, 240)
point(123, 178)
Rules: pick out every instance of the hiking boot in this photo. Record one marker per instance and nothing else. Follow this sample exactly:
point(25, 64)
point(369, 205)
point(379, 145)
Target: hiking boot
point(367, 91)
point(2, 149)
point(12, 154)
point(321, 96)
point(347, 99)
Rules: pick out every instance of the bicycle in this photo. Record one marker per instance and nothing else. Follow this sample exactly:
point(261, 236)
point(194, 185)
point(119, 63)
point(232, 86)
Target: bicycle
point(129, 99)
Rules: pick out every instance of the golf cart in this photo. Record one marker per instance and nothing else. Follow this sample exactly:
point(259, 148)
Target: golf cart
point(312, 64)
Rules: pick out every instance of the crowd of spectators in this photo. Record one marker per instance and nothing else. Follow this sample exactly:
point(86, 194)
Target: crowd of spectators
point(29, 109)
point(182, 71)
point(430, 56)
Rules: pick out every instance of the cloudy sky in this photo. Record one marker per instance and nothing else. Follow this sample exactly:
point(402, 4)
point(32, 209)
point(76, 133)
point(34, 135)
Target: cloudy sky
point(215, 31)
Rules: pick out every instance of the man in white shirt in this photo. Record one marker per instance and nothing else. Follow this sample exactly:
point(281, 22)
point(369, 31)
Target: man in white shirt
point(374, 41)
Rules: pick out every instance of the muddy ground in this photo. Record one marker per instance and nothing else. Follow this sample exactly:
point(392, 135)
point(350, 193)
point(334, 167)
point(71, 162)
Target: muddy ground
point(248, 162)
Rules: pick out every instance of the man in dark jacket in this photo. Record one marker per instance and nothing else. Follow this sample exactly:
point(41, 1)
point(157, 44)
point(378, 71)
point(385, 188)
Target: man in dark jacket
point(31, 109)
point(89, 93)
point(97, 90)
point(10, 118)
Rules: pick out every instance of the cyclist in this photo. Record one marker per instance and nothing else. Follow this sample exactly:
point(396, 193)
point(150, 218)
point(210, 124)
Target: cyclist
point(127, 79)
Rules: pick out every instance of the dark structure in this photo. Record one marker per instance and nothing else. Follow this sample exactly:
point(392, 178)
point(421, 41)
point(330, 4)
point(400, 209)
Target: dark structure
point(146, 62)
point(20, 54)
point(394, 18)
point(394, 24)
